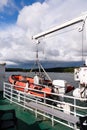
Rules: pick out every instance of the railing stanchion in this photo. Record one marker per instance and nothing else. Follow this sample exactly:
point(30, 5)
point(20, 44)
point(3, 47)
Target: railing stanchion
point(19, 96)
point(11, 89)
point(36, 109)
point(74, 106)
point(4, 90)
point(52, 116)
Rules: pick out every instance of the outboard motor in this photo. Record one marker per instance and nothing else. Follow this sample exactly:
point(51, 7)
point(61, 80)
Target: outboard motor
point(59, 86)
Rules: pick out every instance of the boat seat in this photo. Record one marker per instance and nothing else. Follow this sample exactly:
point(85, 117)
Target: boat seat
point(55, 113)
point(8, 119)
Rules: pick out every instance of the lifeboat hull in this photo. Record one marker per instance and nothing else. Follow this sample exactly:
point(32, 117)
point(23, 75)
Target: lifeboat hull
point(22, 83)
point(27, 84)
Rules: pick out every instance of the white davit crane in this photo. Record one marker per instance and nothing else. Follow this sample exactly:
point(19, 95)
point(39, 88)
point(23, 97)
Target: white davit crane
point(62, 26)
point(80, 74)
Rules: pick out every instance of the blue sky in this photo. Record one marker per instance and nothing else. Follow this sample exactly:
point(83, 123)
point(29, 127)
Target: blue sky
point(11, 8)
point(21, 19)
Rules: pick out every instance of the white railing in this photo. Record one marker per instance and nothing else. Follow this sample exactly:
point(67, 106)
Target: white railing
point(63, 103)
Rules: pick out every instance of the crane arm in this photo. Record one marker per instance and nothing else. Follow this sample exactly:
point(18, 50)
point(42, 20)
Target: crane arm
point(64, 25)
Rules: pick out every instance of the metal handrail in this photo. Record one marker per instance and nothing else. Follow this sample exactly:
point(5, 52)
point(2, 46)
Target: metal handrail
point(20, 98)
point(60, 95)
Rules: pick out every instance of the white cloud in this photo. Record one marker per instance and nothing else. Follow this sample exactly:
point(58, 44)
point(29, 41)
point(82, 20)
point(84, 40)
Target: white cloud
point(16, 43)
point(8, 7)
point(3, 3)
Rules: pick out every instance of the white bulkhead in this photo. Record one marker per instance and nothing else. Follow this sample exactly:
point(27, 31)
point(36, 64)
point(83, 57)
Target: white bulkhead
point(80, 74)
point(83, 75)
point(76, 74)
point(2, 75)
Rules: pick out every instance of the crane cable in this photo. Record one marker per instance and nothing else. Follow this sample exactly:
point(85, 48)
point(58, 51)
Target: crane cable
point(82, 29)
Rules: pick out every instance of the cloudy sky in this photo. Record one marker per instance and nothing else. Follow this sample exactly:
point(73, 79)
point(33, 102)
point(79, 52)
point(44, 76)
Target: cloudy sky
point(21, 19)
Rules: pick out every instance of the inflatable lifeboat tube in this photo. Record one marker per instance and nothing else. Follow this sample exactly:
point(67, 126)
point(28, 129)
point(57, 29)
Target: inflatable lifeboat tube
point(28, 82)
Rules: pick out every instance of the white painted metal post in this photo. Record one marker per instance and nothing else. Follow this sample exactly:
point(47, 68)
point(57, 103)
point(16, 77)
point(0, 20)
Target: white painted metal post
point(18, 96)
point(44, 103)
point(74, 106)
point(44, 97)
point(36, 109)
point(24, 98)
point(11, 93)
point(52, 116)
point(4, 90)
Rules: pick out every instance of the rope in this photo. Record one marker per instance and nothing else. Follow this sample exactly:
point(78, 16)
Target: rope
point(82, 44)
point(83, 26)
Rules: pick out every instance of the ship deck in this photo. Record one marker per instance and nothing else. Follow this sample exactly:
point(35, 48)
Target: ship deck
point(27, 120)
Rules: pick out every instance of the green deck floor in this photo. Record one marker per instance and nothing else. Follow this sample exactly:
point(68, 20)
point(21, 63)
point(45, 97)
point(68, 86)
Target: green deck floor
point(26, 120)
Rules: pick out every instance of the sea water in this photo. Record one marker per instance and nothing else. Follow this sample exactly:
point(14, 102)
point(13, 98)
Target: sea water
point(69, 77)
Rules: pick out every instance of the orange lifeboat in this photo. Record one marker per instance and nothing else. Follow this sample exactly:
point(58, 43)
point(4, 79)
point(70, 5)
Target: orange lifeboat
point(38, 86)
point(20, 83)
